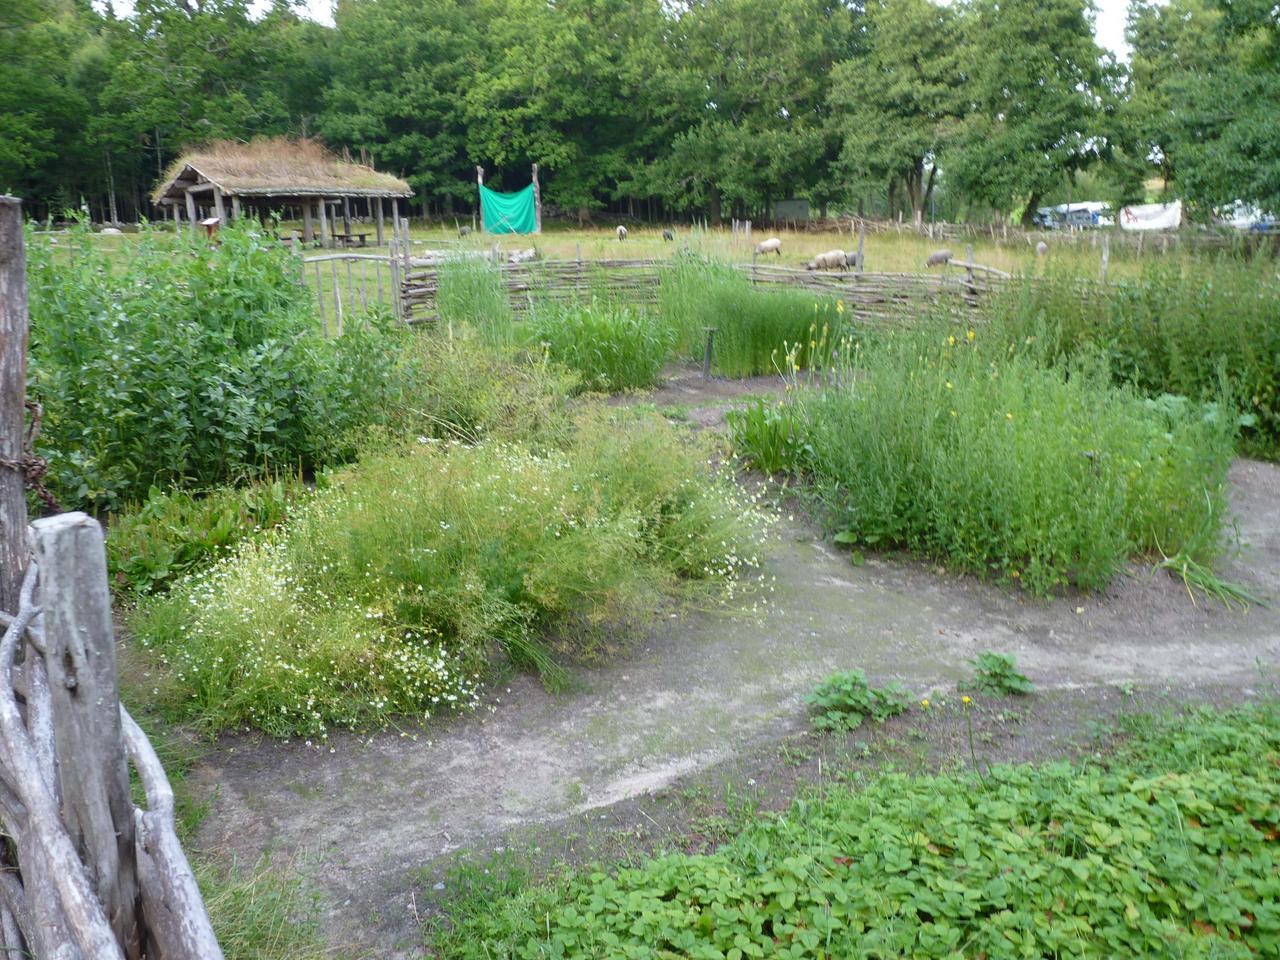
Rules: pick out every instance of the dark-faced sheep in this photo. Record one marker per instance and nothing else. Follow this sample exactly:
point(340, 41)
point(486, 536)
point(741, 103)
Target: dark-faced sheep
point(622, 232)
point(464, 231)
point(938, 258)
point(772, 245)
point(668, 235)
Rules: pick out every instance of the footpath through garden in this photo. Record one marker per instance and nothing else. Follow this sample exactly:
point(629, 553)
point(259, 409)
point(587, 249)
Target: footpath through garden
point(360, 814)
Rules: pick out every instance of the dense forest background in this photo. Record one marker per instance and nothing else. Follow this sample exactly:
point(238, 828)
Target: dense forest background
point(978, 109)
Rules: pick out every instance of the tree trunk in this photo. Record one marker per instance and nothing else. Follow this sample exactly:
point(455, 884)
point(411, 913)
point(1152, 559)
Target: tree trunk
point(1030, 211)
point(713, 206)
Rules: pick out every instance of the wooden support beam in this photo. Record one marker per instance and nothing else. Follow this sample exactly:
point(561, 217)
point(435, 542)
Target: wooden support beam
point(235, 207)
point(377, 201)
point(93, 774)
point(220, 210)
point(395, 214)
point(324, 222)
point(307, 234)
point(13, 394)
point(192, 216)
point(346, 216)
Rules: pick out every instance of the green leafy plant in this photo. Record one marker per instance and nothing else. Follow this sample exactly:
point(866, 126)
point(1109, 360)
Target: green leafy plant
point(995, 673)
point(766, 433)
point(1164, 849)
point(844, 700)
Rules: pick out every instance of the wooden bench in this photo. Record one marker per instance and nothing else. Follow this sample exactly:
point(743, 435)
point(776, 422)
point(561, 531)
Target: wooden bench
point(350, 239)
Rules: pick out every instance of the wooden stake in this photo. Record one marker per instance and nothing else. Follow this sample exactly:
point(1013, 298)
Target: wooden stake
point(191, 213)
point(381, 228)
point(13, 394)
point(537, 202)
point(324, 222)
point(220, 211)
point(1106, 257)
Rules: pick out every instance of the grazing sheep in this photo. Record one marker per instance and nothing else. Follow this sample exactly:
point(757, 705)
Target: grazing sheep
point(668, 235)
point(464, 231)
point(622, 232)
point(110, 232)
point(772, 245)
point(831, 260)
point(939, 258)
point(1041, 248)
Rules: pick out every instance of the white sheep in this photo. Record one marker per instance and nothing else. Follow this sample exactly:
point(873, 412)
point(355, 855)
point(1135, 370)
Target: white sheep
point(622, 232)
point(831, 260)
point(772, 245)
point(938, 258)
point(1041, 248)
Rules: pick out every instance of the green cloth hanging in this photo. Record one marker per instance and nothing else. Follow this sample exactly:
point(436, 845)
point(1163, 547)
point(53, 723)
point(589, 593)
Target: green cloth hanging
point(507, 212)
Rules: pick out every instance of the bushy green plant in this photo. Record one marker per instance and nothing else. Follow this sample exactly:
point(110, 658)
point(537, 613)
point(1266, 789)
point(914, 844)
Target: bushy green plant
point(1050, 476)
point(995, 673)
point(755, 325)
point(766, 433)
point(844, 700)
point(390, 590)
point(177, 361)
point(174, 533)
point(1168, 850)
point(611, 345)
point(1178, 328)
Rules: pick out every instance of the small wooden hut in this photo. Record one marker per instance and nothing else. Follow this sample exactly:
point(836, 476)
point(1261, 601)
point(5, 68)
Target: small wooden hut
point(290, 177)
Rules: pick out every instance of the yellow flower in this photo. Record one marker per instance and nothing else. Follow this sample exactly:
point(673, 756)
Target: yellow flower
point(1008, 416)
point(1015, 574)
point(948, 384)
point(951, 341)
point(925, 704)
point(966, 701)
point(953, 413)
point(970, 335)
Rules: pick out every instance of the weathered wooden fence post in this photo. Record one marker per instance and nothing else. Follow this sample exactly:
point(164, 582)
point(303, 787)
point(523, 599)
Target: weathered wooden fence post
point(13, 394)
point(93, 774)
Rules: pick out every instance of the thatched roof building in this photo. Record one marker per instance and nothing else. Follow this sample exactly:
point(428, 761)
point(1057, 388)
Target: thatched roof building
point(278, 174)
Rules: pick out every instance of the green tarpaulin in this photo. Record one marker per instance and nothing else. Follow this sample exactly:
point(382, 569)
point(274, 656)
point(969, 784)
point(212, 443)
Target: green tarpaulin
point(507, 212)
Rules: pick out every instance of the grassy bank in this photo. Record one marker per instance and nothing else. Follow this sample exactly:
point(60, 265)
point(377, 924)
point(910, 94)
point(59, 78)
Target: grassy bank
point(1167, 848)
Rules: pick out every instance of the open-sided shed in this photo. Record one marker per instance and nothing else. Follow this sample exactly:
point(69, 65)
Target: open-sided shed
point(279, 175)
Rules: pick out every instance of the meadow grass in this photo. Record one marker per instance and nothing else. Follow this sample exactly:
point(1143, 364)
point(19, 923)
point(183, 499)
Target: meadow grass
point(1005, 467)
point(1165, 848)
point(471, 293)
point(611, 345)
point(392, 590)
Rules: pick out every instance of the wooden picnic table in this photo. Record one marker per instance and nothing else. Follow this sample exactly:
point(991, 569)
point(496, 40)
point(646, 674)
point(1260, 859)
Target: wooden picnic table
point(349, 239)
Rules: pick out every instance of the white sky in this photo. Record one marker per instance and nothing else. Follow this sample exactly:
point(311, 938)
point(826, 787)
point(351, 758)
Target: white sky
point(1110, 27)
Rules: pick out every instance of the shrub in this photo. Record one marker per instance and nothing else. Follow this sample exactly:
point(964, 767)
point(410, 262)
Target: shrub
point(1167, 850)
point(1047, 476)
point(844, 700)
point(1178, 328)
point(390, 590)
point(181, 362)
point(755, 325)
point(766, 433)
point(612, 346)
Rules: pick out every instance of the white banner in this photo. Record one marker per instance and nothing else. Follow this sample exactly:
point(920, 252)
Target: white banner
point(1152, 216)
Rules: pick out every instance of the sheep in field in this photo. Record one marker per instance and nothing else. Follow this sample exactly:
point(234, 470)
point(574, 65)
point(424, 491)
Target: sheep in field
point(772, 245)
point(1041, 248)
point(464, 231)
point(622, 232)
point(831, 260)
point(939, 258)
point(668, 235)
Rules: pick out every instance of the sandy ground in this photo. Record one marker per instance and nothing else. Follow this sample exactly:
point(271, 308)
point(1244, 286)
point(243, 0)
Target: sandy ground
point(706, 693)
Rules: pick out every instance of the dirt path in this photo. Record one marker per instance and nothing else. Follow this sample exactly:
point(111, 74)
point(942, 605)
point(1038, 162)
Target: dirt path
point(362, 814)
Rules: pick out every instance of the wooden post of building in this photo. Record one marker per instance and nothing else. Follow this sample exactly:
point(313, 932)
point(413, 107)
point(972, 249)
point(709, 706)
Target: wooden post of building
point(480, 183)
point(346, 216)
point(13, 394)
point(192, 216)
point(308, 234)
point(377, 201)
point(220, 211)
point(80, 653)
point(395, 214)
point(537, 202)
point(324, 222)
point(235, 207)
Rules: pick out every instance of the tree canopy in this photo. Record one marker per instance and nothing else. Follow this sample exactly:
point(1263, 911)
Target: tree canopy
point(657, 108)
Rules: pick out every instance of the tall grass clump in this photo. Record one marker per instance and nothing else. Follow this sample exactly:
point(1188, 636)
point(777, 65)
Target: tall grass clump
point(393, 588)
point(1048, 476)
point(612, 346)
point(181, 362)
point(1175, 328)
point(754, 324)
point(471, 293)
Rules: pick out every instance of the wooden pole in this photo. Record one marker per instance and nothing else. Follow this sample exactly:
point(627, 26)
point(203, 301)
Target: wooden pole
point(346, 216)
point(308, 234)
point(235, 207)
point(191, 214)
point(480, 183)
point(862, 236)
point(13, 394)
point(1106, 257)
point(537, 202)
point(93, 775)
point(220, 211)
point(395, 213)
point(324, 222)
point(381, 228)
